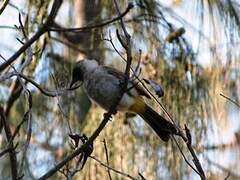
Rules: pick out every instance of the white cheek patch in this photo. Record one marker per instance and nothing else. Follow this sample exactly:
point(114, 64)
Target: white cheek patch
point(126, 102)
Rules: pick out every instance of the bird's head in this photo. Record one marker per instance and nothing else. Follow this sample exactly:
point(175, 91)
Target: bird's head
point(77, 74)
point(82, 67)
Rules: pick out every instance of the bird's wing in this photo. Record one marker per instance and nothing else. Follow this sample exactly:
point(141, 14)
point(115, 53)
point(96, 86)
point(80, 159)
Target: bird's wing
point(120, 75)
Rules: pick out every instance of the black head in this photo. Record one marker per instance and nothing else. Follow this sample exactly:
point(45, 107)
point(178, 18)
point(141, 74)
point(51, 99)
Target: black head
point(77, 75)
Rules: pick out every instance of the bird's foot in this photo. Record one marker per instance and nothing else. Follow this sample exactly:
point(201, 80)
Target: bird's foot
point(87, 152)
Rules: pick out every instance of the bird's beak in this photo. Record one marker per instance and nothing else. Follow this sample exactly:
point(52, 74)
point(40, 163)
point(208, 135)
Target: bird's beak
point(72, 83)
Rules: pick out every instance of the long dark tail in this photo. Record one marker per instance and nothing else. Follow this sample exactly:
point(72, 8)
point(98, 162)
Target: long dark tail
point(159, 124)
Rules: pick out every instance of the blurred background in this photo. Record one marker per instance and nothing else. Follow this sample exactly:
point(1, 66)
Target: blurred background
point(191, 48)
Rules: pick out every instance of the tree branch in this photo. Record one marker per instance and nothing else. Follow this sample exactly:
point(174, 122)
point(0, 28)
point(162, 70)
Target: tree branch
point(89, 27)
point(4, 5)
point(228, 98)
point(229, 171)
point(12, 152)
point(107, 159)
point(44, 28)
point(112, 169)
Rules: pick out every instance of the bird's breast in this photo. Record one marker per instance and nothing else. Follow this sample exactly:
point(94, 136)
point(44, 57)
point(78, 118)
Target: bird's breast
point(104, 90)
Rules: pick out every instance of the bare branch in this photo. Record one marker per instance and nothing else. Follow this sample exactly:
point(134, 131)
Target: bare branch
point(127, 47)
point(43, 91)
point(7, 150)
point(12, 152)
point(106, 153)
point(78, 151)
point(39, 33)
point(184, 157)
point(4, 5)
point(142, 177)
point(195, 159)
point(89, 27)
point(228, 98)
point(28, 116)
point(229, 171)
point(71, 45)
point(112, 169)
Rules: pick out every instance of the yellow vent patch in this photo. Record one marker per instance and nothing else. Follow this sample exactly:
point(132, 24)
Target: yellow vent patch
point(138, 105)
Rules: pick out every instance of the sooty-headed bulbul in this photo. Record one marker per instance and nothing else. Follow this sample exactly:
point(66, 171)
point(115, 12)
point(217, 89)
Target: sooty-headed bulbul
point(102, 85)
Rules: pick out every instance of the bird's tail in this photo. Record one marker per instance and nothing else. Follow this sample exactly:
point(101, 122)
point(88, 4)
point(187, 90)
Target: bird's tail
point(159, 124)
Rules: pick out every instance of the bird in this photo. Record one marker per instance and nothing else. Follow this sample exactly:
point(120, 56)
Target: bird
point(102, 85)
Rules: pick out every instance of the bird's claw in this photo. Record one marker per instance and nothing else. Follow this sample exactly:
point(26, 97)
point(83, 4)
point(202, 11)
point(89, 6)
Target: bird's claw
point(75, 138)
point(87, 152)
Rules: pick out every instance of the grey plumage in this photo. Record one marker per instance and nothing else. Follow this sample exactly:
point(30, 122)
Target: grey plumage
point(102, 84)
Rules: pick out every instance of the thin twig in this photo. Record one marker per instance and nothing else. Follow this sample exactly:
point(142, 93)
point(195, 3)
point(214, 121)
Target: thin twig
point(184, 157)
point(7, 150)
point(106, 153)
point(195, 159)
point(78, 151)
point(29, 51)
point(112, 169)
point(126, 45)
point(43, 91)
point(229, 171)
point(64, 116)
point(130, 5)
point(68, 44)
point(12, 152)
point(28, 114)
point(142, 177)
point(228, 175)
point(89, 27)
point(228, 98)
point(4, 5)
point(43, 29)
